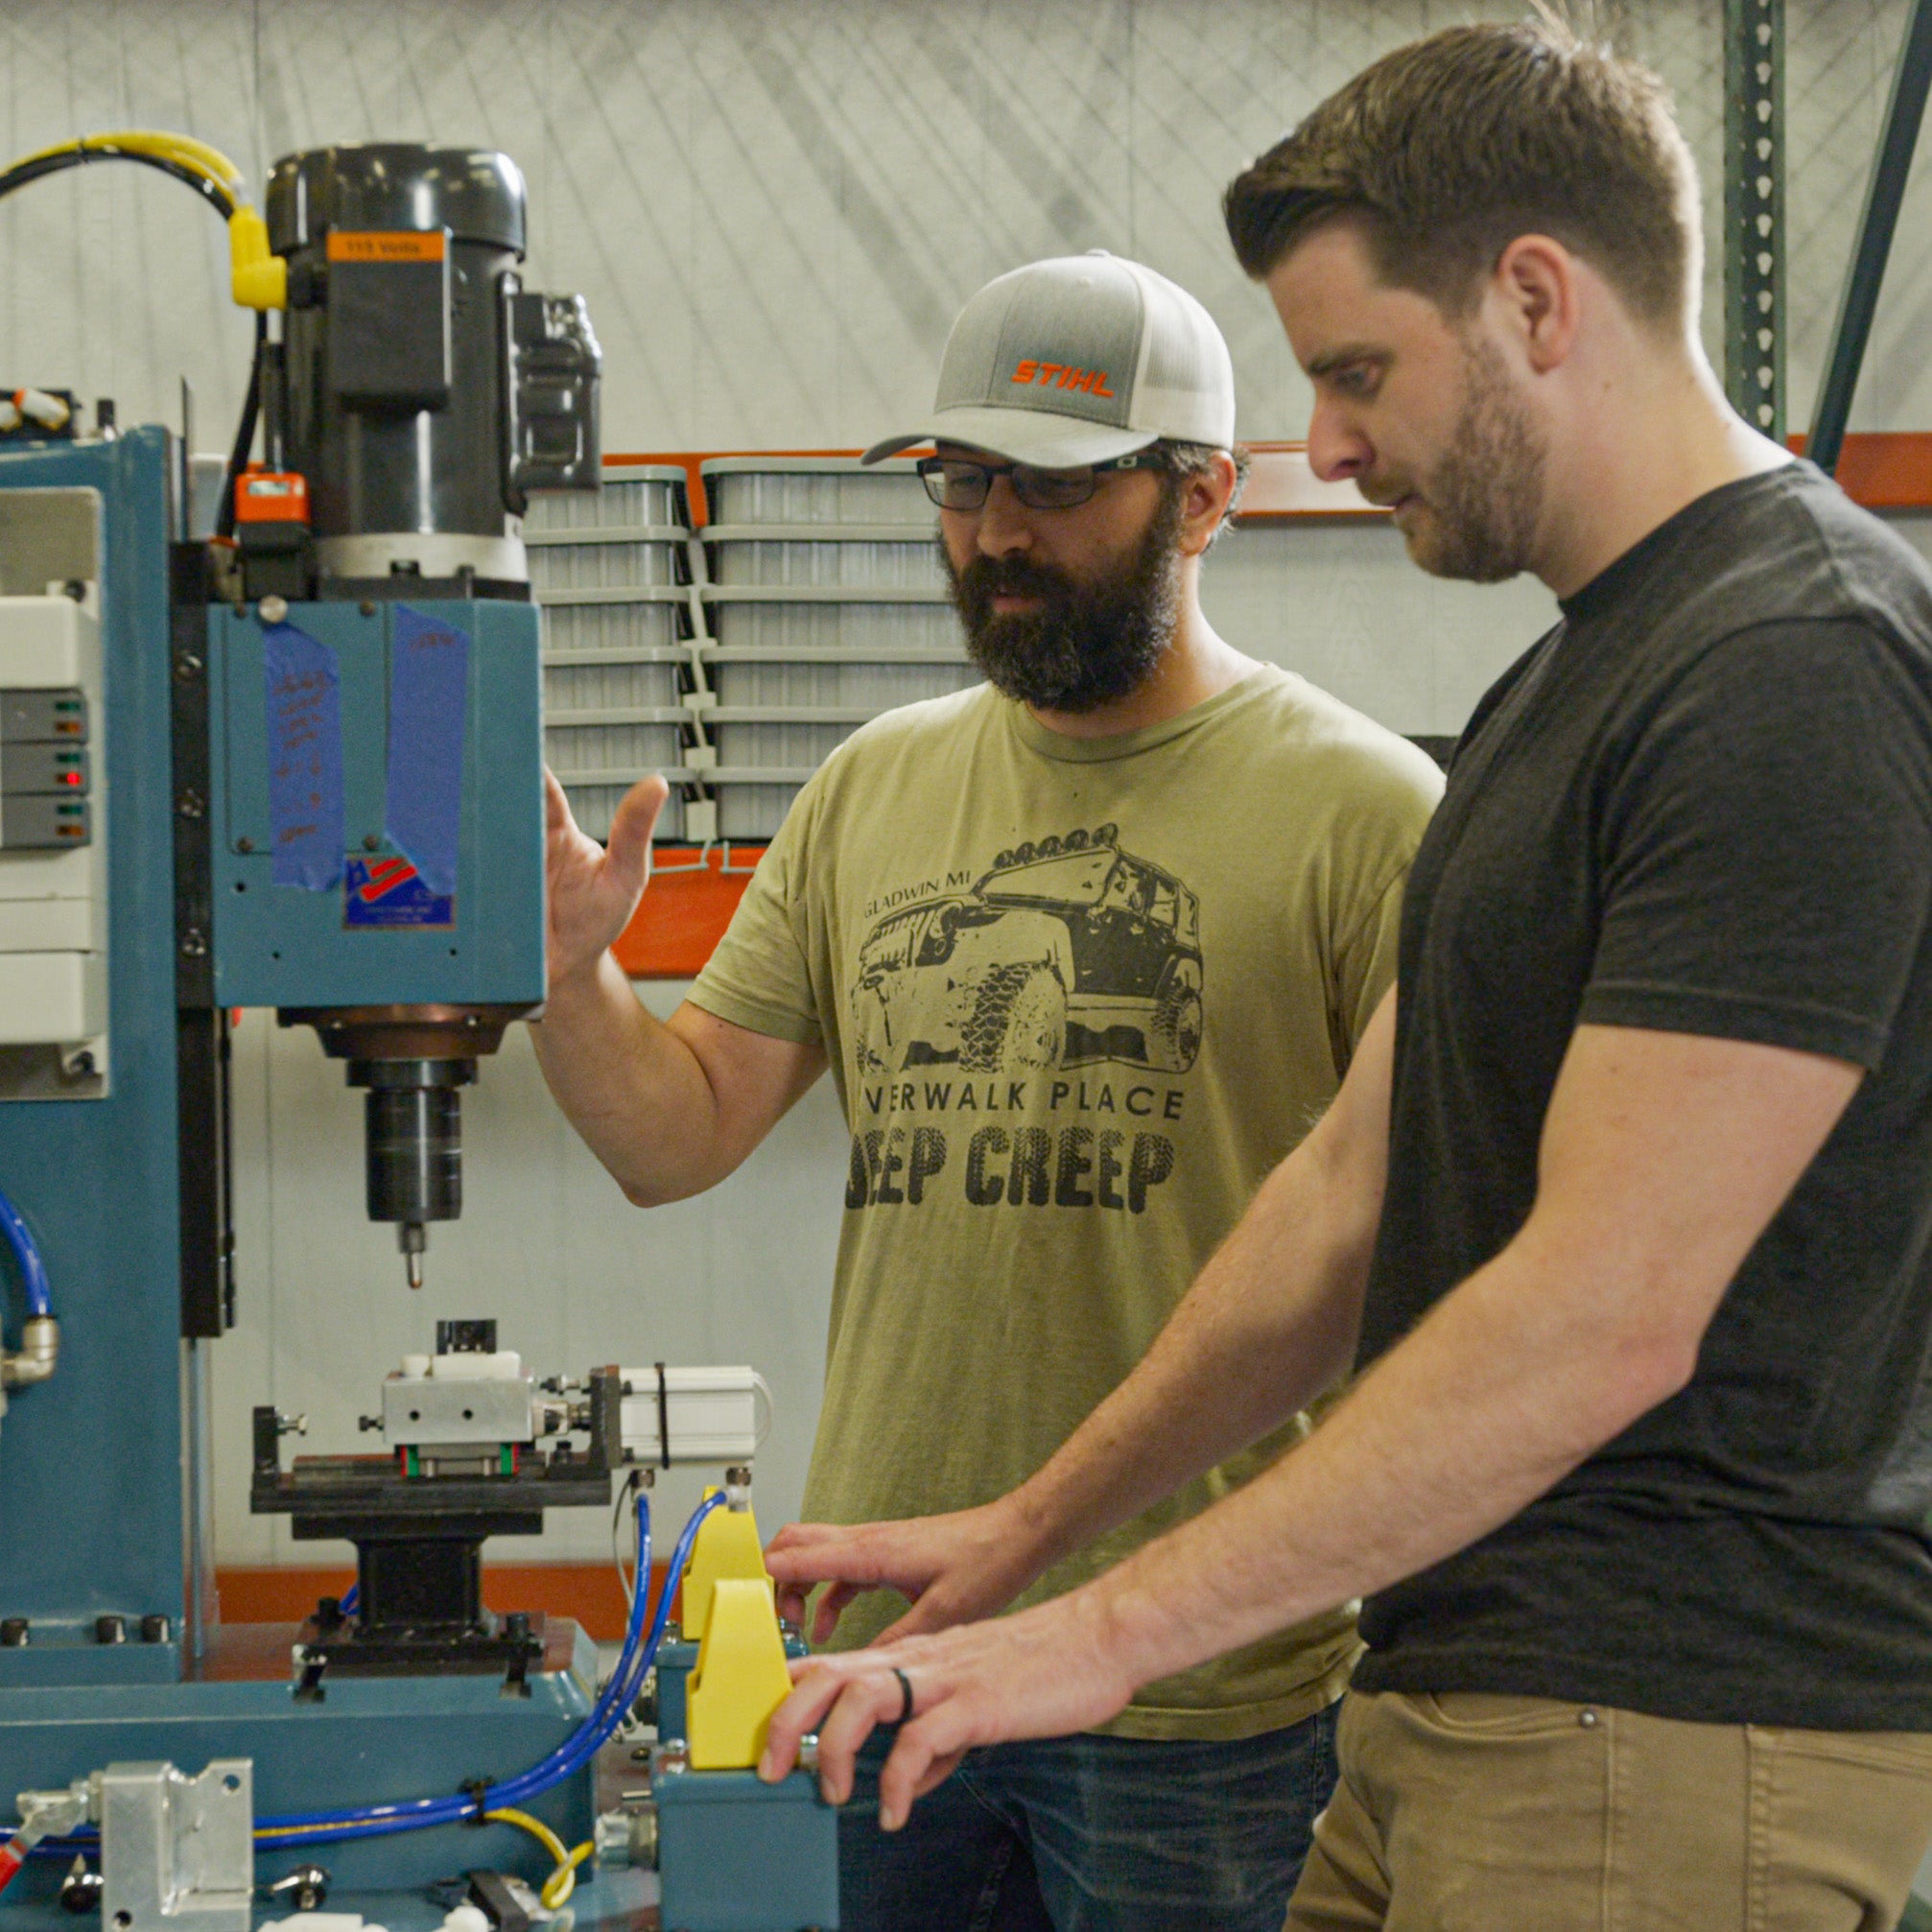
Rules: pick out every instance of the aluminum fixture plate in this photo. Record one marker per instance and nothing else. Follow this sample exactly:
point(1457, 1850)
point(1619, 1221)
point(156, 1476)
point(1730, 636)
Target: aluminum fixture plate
point(422, 1409)
point(177, 1854)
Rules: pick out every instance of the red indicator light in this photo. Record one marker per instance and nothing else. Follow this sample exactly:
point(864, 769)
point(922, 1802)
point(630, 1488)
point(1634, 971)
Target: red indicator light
point(70, 778)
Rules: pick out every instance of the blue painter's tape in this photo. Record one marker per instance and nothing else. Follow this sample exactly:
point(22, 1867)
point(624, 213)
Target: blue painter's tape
point(303, 694)
point(392, 892)
point(429, 691)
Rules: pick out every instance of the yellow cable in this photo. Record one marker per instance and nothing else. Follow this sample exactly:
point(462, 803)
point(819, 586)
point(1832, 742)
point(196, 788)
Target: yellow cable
point(562, 1882)
point(535, 1826)
point(210, 163)
point(258, 279)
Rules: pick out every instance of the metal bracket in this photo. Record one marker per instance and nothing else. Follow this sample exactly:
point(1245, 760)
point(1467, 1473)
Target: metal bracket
point(177, 1854)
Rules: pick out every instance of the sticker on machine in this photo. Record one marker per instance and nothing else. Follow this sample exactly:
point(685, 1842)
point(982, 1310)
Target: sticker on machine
point(392, 892)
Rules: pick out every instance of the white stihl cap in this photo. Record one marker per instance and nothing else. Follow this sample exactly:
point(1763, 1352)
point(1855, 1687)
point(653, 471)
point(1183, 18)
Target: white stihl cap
point(1078, 359)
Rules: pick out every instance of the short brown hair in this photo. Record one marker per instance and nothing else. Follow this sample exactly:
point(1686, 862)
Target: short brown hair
point(1447, 150)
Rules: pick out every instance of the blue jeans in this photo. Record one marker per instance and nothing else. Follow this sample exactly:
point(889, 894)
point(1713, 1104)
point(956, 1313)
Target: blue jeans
point(1092, 1834)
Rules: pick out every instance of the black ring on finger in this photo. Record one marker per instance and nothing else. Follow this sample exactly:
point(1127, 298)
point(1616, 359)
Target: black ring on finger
point(905, 1696)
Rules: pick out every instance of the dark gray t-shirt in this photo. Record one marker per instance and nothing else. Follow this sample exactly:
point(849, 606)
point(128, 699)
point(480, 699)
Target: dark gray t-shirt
point(1702, 804)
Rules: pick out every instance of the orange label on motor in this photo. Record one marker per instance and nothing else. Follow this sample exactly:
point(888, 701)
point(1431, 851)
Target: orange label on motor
point(387, 245)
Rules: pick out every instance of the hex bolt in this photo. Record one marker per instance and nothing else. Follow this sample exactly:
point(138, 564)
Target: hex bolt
point(110, 1630)
point(155, 1628)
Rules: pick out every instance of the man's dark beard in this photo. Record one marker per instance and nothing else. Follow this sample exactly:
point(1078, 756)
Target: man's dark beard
point(1088, 644)
point(1481, 504)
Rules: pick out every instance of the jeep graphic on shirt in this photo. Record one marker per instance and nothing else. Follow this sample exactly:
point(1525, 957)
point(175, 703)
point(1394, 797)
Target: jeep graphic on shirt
point(1065, 952)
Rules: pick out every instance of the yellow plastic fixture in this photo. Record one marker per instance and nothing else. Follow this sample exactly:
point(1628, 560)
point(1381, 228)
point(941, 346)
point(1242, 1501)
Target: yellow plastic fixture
point(727, 1546)
point(741, 1677)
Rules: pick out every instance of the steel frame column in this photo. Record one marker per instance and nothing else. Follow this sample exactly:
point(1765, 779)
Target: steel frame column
point(1891, 168)
point(1753, 212)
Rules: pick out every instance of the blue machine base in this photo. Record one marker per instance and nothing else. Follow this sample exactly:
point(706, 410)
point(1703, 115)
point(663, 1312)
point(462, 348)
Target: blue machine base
point(727, 1868)
point(369, 1740)
point(735, 1854)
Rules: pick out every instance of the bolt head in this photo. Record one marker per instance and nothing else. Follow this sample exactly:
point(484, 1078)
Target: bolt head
point(273, 609)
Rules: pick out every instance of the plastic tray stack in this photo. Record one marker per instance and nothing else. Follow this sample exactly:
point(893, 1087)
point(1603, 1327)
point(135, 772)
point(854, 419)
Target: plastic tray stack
point(826, 606)
point(612, 573)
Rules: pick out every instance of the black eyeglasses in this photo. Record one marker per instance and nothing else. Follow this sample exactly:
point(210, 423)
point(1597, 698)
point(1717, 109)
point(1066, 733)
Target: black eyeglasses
point(958, 483)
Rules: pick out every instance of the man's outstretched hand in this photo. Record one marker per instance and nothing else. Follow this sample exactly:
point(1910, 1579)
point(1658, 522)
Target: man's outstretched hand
point(593, 888)
point(1043, 1673)
point(952, 1568)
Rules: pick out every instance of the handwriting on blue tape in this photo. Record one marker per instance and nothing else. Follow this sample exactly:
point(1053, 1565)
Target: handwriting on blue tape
point(429, 691)
point(305, 757)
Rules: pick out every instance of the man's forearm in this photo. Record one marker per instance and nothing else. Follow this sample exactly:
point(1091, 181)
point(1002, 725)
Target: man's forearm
point(1270, 1323)
point(637, 1094)
point(1504, 1389)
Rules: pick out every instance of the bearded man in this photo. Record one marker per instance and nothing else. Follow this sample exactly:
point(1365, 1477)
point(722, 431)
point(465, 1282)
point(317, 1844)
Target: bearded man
point(1085, 950)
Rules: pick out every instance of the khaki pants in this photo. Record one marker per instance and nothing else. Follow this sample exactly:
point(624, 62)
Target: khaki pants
point(1470, 1813)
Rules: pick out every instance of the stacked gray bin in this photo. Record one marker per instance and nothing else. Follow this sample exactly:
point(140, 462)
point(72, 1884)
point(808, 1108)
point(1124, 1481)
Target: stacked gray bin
point(612, 575)
point(826, 605)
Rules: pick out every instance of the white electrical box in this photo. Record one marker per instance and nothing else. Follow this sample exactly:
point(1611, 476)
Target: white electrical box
point(53, 817)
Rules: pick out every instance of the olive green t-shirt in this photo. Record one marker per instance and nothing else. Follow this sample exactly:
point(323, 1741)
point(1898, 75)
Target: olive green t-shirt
point(1078, 996)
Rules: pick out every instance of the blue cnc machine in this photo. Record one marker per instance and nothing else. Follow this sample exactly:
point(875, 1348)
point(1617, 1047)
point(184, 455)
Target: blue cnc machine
point(300, 768)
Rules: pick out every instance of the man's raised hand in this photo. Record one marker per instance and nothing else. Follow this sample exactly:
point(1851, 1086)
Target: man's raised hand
point(593, 888)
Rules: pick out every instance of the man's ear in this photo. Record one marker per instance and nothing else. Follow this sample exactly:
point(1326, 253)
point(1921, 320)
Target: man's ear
point(1205, 497)
point(1536, 295)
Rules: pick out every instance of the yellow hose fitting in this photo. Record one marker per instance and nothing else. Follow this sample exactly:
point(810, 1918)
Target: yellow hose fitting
point(261, 280)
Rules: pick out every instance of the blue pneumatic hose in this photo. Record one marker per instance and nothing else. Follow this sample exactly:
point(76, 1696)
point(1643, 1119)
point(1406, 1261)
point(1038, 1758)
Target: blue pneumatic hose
point(27, 1251)
point(419, 1814)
